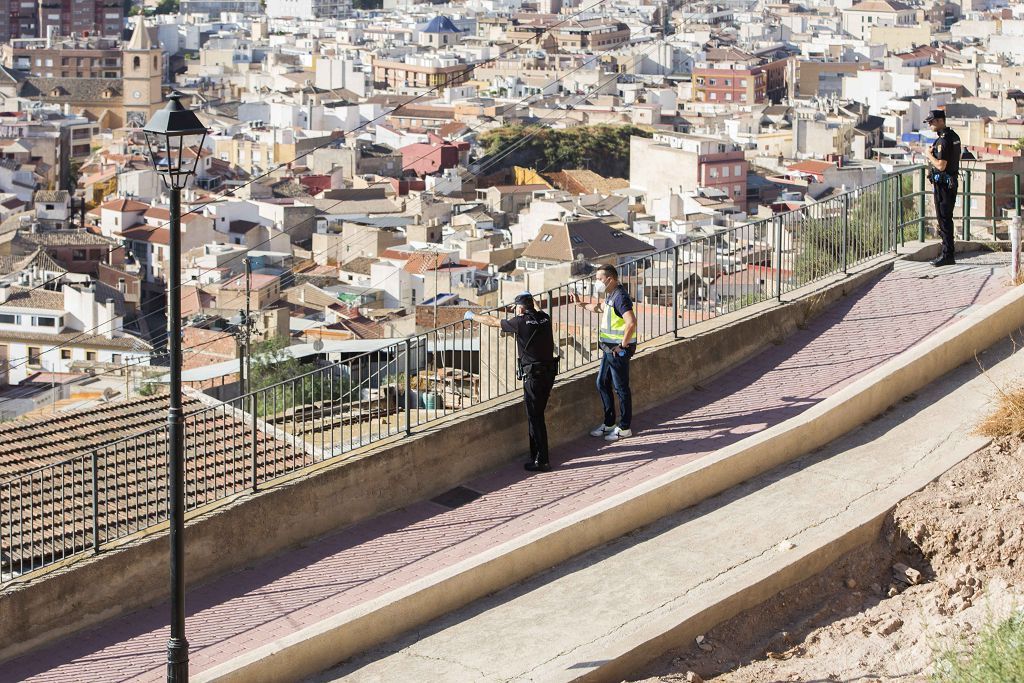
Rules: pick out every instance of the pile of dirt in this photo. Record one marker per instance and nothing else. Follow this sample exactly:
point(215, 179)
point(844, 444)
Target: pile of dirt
point(949, 560)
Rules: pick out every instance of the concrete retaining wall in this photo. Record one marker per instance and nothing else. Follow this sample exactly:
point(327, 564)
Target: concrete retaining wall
point(331, 496)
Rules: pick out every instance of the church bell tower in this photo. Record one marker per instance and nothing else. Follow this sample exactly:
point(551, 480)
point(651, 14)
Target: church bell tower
point(143, 75)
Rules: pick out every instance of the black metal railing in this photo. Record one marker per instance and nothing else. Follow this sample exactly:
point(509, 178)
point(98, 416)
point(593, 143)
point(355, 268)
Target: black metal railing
point(88, 502)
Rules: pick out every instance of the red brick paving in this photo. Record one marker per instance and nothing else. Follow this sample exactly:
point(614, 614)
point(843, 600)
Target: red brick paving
point(255, 606)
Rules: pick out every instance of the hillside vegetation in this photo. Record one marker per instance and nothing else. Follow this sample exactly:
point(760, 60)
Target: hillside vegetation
point(603, 148)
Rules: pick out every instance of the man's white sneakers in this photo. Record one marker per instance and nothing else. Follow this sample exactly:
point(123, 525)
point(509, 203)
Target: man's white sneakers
point(618, 433)
point(602, 430)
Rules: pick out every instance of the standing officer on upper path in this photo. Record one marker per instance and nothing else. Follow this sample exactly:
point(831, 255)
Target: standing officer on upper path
point(944, 174)
point(538, 366)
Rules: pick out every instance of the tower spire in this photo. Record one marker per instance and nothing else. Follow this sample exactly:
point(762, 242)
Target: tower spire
point(140, 36)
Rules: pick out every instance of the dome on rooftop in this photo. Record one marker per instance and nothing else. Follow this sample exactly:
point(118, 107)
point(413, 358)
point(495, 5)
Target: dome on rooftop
point(441, 24)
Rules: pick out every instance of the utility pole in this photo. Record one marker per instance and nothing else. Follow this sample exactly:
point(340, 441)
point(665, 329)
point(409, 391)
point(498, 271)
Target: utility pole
point(243, 334)
point(248, 323)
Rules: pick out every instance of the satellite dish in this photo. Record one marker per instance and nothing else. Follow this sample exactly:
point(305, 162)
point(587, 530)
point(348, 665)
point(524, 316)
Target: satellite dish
point(318, 345)
point(109, 393)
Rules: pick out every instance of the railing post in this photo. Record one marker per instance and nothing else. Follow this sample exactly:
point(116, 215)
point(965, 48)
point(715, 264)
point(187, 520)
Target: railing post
point(992, 204)
point(778, 257)
point(1016, 194)
point(921, 205)
point(899, 210)
point(408, 387)
point(967, 207)
point(883, 190)
point(846, 230)
point(95, 503)
point(675, 290)
point(255, 437)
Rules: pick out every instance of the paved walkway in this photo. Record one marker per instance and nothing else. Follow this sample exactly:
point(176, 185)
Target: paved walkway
point(252, 607)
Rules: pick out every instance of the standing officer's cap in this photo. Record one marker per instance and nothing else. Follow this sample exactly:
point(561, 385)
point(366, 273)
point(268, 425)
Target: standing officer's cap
point(524, 299)
point(935, 114)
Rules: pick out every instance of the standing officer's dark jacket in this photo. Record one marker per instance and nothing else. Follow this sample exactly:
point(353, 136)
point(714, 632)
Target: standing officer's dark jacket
point(946, 147)
point(534, 338)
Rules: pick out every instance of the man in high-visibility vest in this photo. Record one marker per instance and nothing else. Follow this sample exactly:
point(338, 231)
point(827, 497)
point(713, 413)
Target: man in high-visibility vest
point(617, 339)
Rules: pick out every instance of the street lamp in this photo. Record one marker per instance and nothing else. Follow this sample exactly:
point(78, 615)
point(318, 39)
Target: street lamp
point(170, 136)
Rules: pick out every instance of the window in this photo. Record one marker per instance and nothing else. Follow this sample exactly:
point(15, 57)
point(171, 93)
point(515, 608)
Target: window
point(714, 96)
point(8, 319)
point(743, 97)
point(90, 355)
point(737, 170)
point(546, 238)
point(78, 254)
point(34, 356)
point(40, 321)
point(65, 354)
point(728, 96)
point(736, 190)
point(136, 62)
point(728, 81)
point(714, 173)
point(743, 83)
point(115, 358)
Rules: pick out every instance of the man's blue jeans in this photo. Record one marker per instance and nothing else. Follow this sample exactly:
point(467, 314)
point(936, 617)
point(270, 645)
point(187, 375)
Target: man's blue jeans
point(614, 375)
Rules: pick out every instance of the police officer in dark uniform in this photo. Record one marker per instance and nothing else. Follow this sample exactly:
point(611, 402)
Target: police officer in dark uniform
point(944, 174)
point(538, 366)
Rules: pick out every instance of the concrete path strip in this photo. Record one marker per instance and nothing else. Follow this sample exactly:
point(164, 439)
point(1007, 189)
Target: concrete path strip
point(604, 615)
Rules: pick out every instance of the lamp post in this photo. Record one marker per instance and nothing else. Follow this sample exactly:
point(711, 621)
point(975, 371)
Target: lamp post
point(170, 135)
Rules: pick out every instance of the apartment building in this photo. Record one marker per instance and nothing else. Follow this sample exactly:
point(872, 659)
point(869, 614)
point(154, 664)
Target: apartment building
point(733, 76)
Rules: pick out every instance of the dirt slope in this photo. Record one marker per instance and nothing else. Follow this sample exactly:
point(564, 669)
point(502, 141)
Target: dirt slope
point(964, 533)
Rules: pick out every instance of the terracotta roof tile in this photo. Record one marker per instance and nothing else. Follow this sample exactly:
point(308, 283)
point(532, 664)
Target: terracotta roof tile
point(53, 457)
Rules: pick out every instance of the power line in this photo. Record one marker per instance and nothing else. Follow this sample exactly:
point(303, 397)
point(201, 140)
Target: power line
point(536, 128)
point(285, 164)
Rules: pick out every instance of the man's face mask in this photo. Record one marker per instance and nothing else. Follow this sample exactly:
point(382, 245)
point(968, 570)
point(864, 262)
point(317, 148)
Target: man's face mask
point(600, 287)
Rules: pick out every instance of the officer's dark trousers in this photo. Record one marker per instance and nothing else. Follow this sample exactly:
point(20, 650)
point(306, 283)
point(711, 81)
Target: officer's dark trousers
point(945, 199)
point(614, 375)
point(537, 385)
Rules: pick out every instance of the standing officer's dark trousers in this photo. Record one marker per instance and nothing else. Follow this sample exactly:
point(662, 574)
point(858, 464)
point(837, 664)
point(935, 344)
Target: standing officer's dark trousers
point(538, 378)
point(945, 199)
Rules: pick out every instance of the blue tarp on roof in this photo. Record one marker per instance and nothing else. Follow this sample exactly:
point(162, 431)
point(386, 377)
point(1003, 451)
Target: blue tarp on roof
point(919, 136)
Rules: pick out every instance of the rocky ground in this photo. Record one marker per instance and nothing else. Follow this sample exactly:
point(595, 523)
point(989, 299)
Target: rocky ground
point(949, 560)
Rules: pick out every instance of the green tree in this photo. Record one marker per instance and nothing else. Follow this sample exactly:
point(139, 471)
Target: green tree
point(282, 382)
point(167, 7)
point(602, 148)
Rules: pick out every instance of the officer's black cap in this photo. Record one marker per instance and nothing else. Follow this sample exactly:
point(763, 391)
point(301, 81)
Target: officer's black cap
point(525, 299)
point(935, 114)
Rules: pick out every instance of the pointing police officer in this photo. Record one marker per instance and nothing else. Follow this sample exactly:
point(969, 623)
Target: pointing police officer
point(943, 172)
point(538, 366)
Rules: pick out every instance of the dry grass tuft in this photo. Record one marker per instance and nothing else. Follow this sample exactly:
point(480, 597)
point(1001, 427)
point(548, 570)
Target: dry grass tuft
point(1008, 417)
